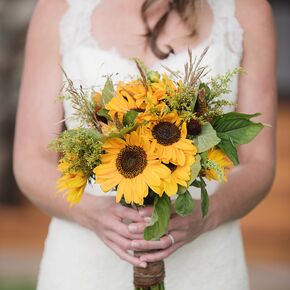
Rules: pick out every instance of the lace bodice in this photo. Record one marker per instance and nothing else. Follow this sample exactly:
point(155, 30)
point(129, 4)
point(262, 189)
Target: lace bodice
point(86, 63)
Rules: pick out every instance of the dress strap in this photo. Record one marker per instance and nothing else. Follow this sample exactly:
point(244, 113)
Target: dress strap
point(227, 28)
point(75, 26)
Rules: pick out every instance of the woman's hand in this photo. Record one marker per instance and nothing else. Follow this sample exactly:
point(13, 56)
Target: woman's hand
point(107, 219)
point(182, 229)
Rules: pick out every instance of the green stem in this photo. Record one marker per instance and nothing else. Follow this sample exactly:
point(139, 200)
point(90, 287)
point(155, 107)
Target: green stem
point(160, 286)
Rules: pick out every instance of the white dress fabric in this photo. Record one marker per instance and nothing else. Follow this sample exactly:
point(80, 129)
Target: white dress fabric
point(74, 257)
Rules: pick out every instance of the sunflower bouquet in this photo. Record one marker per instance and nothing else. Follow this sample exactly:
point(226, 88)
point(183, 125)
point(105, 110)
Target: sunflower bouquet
point(150, 139)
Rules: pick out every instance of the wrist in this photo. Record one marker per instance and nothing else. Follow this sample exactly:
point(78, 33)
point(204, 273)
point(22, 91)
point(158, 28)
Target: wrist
point(79, 212)
point(212, 220)
point(214, 217)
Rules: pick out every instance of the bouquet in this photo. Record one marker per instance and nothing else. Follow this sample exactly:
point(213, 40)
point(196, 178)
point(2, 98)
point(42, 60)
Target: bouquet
point(150, 139)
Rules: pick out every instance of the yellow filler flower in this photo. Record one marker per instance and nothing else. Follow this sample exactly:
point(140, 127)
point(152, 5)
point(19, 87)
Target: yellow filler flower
point(218, 165)
point(132, 166)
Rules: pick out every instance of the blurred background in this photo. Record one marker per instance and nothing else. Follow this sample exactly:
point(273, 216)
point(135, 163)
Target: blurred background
point(23, 228)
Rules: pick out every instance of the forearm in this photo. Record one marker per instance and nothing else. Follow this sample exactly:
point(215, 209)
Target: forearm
point(37, 180)
point(247, 185)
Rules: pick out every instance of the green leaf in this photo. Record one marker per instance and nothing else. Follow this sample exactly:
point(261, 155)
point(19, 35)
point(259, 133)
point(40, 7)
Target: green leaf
point(230, 150)
point(233, 116)
point(108, 91)
point(184, 204)
point(160, 219)
point(122, 132)
point(206, 139)
point(238, 127)
point(181, 189)
point(195, 169)
point(104, 113)
point(204, 198)
point(130, 117)
point(196, 183)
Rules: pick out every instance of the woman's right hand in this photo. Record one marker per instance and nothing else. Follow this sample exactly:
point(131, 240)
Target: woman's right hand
point(107, 219)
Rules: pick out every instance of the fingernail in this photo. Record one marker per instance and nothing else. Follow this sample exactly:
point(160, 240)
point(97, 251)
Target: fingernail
point(134, 244)
point(143, 265)
point(142, 213)
point(143, 259)
point(147, 219)
point(132, 228)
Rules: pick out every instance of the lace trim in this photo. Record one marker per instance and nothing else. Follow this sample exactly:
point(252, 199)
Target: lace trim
point(227, 27)
point(75, 26)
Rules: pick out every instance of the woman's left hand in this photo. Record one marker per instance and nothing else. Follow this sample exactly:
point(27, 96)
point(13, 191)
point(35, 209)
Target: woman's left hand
point(183, 230)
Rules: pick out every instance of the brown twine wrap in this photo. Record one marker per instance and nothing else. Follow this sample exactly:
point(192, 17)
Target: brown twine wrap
point(152, 275)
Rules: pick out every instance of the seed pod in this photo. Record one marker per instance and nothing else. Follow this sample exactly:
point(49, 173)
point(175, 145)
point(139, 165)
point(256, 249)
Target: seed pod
point(153, 76)
point(201, 106)
point(193, 127)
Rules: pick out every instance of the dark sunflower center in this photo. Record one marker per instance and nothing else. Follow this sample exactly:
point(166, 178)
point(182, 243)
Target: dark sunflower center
point(131, 161)
point(166, 133)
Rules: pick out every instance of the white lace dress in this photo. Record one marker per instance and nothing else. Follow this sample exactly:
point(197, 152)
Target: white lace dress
point(74, 258)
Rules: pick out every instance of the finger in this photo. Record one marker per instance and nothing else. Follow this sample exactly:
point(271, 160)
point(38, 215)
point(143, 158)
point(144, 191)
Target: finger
point(146, 211)
point(137, 228)
point(160, 255)
point(125, 256)
point(122, 229)
point(128, 213)
point(120, 241)
point(142, 245)
point(163, 243)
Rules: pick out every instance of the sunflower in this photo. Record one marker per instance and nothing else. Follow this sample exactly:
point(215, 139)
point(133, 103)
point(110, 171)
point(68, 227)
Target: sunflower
point(71, 183)
point(169, 133)
point(217, 165)
point(180, 175)
point(159, 90)
point(132, 166)
point(120, 105)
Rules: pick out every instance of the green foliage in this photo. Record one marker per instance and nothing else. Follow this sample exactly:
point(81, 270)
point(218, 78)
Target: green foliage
point(184, 204)
point(80, 147)
point(230, 150)
point(153, 76)
point(104, 113)
point(130, 117)
point(235, 129)
point(204, 198)
point(206, 139)
point(108, 91)
point(122, 132)
point(160, 218)
point(195, 169)
point(204, 195)
point(220, 84)
point(183, 100)
point(159, 286)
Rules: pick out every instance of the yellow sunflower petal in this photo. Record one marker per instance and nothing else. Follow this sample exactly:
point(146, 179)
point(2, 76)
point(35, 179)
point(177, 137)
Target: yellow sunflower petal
point(170, 187)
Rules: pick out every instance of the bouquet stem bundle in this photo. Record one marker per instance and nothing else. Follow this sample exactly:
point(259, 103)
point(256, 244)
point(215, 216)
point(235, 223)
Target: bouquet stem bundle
point(150, 278)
